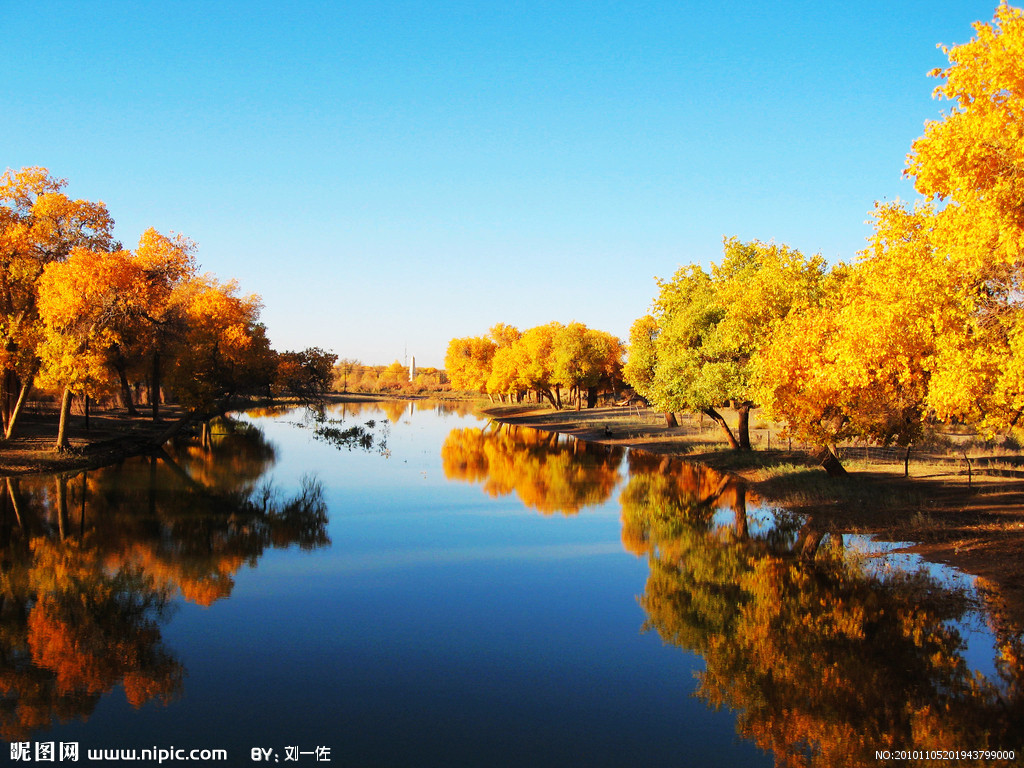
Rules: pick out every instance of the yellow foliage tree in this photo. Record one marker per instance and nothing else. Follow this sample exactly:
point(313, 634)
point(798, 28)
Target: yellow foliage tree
point(970, 163)
point(973, 157)
point(858, 362)
point(82, 303)
point(468, 362)
point(167, 264)
point(224, 349)
point(39, 225)
point(583, 358)
point(930, 318)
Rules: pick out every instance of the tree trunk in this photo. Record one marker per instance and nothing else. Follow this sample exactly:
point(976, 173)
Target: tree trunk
point(809, 540)
point(828, 457)
point(62, 433)
point(126, 388)
point(743, 425)
point(26, 387)
point(547, 393)
point(154, 388)
point(720, 420)
point(670, 419)
point(591, 397)
point(5, 398)
point(14, 502)
point(62, 505)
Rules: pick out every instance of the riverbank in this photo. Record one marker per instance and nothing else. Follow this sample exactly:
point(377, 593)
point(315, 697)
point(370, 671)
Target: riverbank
point(111, 436)
point(966, 514)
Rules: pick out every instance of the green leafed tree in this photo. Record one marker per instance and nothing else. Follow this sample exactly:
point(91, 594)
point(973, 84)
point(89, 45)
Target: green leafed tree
point(707, 327)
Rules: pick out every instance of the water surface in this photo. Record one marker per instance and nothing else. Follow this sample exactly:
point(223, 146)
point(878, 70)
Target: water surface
point(403, 584)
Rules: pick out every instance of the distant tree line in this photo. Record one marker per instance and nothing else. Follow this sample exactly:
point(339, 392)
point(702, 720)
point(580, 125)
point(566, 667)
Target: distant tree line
point(350, 375)
point(542, 361)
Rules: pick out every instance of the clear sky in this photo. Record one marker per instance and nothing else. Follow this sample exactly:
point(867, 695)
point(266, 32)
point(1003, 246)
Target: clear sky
point(389, 175)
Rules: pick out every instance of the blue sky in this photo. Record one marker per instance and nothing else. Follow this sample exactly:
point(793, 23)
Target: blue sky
point(389, 175)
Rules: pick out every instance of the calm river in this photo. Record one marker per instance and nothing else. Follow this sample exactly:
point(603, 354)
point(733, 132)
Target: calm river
point(402, 584)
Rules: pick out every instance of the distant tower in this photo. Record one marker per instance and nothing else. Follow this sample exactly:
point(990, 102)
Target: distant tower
point(412, 369)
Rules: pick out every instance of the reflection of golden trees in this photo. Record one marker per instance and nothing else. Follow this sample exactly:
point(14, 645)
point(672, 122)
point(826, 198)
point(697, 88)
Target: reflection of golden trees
point(346, 410)
point(94, 628)
point(446, 407)
point(546, 473)
point(73, 630)
point(394, 409)
point(825, 659)
point(90, 564)
point(229, 455)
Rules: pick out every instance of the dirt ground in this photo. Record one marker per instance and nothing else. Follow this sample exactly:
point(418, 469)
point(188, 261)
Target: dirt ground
point(111, 435)
point(971, 520)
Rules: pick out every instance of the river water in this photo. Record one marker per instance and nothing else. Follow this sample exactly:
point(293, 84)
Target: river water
point(402, 584)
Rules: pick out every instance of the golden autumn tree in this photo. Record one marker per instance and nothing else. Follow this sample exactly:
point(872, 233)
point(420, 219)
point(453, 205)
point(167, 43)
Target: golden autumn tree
point(504, 335)
point(972, 157)
point(223, 350)
point(930, 316)
point(858, 362)
point(468, 362)
point(82, 303)
point(539, 371)
point(969, 163)
point(167, 263)
point(508, 369)
point(583, 358)
point(307, 374)
point(39, 225)
point(542, 359)
point(507, 363)
point(527, 363)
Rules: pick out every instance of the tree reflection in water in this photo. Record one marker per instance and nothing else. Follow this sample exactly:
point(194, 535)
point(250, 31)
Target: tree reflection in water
point(370, 436)
point(546, 473)
point(92, 562)
point(825, 658)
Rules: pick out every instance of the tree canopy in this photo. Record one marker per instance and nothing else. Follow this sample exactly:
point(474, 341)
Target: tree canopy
point(82, 316)
point(926, 324)
point(543, 359)
point(694, 352)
